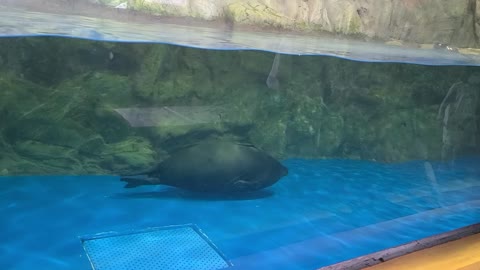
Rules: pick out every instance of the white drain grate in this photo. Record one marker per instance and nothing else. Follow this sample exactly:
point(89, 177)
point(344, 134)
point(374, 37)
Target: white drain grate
point(172, 247)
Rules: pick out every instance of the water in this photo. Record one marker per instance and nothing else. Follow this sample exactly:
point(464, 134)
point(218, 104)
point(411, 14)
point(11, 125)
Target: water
point(62, 20)
point(323, 212)
point(380, 152)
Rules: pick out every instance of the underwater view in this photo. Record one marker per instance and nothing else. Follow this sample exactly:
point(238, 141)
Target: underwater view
point(141, 135)
point(282, 161)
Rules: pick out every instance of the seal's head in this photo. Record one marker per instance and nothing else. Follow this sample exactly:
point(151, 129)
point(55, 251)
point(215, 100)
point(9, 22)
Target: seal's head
point(272, 172)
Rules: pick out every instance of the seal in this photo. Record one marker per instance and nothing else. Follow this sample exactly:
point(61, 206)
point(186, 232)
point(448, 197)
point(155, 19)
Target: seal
point(213, 166)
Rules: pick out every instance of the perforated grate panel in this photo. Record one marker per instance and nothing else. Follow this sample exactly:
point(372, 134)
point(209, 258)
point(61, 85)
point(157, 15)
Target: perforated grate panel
point(174, 247)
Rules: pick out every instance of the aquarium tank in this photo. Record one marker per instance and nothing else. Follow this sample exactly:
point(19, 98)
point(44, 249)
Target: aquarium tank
point(248, 134)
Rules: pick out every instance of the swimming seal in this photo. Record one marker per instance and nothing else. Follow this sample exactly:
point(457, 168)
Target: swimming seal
point(214, 166)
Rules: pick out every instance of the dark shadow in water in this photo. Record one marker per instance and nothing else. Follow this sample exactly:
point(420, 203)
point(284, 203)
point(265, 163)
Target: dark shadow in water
point(196, 196)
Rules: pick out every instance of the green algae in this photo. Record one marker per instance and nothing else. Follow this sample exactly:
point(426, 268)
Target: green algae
point(323, 108)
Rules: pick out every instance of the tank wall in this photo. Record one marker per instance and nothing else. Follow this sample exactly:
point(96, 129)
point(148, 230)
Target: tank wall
point(83, 107)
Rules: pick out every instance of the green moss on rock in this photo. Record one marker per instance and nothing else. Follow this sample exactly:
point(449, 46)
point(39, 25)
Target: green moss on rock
point(323, 108)
point(132, 154)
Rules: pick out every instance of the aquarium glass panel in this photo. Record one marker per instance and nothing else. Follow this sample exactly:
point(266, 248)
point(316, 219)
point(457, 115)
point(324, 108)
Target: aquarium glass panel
point(282, 150)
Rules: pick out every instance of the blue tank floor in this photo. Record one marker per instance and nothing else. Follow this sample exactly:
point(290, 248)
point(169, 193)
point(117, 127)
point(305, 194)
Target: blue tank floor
point(323, 212)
